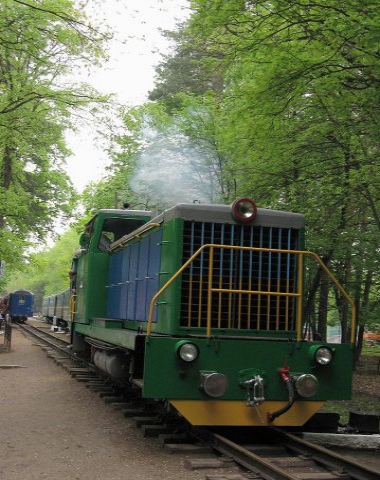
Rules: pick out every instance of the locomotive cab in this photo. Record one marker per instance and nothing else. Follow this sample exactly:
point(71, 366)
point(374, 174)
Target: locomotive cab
point(90, 263)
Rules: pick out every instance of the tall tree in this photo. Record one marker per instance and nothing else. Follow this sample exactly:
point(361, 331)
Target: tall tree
point(47, 271)
point(297, 118)
point(40, 44)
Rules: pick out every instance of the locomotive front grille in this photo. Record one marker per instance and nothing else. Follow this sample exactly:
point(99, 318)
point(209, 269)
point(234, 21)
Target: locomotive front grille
point(251, 289)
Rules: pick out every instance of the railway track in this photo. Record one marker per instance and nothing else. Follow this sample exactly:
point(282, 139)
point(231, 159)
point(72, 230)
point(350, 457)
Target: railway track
point(287, 457)
point(59, 350)
point(277, 455)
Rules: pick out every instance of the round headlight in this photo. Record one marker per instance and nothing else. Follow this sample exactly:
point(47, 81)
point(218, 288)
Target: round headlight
point(214, 384)
point(244, 210)
point(306, 385)
point(323, 356)
point(188, 352)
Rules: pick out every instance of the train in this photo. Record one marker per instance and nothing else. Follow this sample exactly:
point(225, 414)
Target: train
point(56, 309)
point(200, 307)
point(19, 305)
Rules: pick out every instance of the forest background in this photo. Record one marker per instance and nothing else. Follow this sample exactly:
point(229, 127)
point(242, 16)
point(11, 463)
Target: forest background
point(277, 101)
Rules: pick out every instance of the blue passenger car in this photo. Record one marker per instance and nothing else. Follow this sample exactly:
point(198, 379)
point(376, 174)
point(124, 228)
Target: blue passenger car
point(57, 306)
point(20, 305)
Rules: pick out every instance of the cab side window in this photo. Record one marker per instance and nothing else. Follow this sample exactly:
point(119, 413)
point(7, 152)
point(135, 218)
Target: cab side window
point(115, 228)
point(105, 240)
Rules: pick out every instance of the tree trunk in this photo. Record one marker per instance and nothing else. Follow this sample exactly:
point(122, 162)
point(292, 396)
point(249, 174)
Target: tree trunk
point(309, 304)
point(362, 306)
point(6, 175)
point(322, 310)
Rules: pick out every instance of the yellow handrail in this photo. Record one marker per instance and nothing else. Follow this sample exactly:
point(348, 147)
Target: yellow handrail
point(298, 295)
point(299, 300)
point(72, 306)
point(342, 291)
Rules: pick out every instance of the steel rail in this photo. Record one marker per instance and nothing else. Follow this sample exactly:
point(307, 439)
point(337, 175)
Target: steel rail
point(50, 341)
point(249, 460)
point(253, 462)
point(329, 458)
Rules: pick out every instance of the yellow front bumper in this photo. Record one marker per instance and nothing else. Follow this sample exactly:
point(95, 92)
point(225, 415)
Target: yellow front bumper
point(237, 413)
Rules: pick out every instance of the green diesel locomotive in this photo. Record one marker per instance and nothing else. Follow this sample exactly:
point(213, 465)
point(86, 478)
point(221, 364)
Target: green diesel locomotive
point(201, 306)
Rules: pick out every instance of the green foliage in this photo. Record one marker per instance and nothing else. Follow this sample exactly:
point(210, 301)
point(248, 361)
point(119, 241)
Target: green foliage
point(292, 121)
point(278, 101)
point(47, 271)
point(111, 192)
point(371, 313)
point(114, 190)
point(191, 70)
point(373, 351)
point(40, 43)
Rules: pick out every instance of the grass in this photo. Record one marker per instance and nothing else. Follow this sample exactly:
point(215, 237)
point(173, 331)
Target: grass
point(361, 401)
point(371, 351)
point(358, 403)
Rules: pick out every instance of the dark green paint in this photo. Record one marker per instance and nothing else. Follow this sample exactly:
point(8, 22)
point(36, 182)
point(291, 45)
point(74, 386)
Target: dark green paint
point(171, 261)
point(121, 337)
point(233, 358)
point(91, 286)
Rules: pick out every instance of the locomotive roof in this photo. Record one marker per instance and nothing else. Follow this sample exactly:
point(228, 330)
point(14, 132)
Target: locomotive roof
point(223, 214)
point(120, 211)
point(124, 212)
point(21, 292)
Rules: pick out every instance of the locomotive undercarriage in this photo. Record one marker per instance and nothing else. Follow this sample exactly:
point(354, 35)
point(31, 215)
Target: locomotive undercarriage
point(116, 362)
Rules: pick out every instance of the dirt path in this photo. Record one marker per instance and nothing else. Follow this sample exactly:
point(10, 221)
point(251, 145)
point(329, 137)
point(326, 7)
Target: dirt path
point(52, 427)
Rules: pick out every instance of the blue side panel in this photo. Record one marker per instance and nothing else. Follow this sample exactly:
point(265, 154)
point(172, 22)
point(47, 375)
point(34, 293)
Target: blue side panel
point(134, 279)
point(133, 270)
point(27, 307)
point(114, 287)
point(154, 266)
point(21, 304)
point(31, 306)
point(124, 283)
point(142, 279)
point(118, 285)
point(110, 289)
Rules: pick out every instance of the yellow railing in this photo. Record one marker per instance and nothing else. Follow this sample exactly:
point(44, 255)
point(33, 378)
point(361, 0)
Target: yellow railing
point(297, 295)
point(72, 307)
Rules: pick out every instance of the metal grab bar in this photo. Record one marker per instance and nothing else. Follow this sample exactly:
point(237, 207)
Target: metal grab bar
point(72, 306)
point(298, 294)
